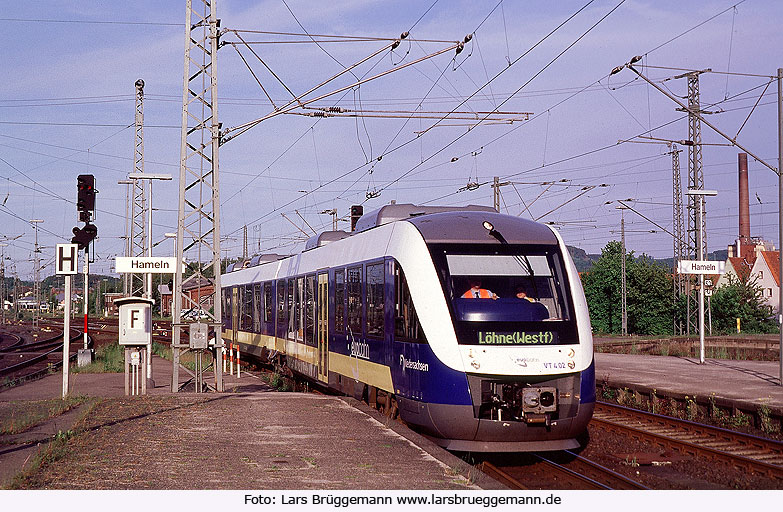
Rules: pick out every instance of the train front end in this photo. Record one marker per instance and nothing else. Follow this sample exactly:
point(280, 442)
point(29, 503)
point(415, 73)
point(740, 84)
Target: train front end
point(516, 346)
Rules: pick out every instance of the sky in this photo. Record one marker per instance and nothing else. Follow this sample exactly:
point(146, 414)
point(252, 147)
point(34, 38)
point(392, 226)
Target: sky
point(571, 140)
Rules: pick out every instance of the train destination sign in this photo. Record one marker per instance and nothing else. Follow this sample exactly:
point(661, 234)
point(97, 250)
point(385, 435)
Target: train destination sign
point(702, 267)
point(146, 264)
point(517, 338)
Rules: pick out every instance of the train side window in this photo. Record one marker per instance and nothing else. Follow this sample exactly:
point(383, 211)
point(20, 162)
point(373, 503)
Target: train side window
point(269, 303)
point(406, 321)
point(354, 285)
point(310, 310)
point(247, 308)
point(339, 299)
point(375, 281)
point(281, 303)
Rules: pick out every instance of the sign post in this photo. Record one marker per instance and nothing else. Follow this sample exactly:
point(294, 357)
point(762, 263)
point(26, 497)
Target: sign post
point(67, 255)
point(701, 268)
point(145, 265)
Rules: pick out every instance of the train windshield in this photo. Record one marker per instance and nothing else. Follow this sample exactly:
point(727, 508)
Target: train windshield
point(507, 295)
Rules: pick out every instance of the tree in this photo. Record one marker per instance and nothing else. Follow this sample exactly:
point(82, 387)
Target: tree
point(649, 297)
point(741, 299)
point(602, 290)
point(648, 293)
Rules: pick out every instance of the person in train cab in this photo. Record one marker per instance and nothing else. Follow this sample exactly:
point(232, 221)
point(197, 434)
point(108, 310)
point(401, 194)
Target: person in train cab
point(522, 294)
point(477, 292)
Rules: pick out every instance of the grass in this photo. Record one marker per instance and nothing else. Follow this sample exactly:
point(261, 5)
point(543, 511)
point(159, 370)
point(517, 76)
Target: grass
point(111, 359)
point(108, 359)
point(19, 416)
point(52, 452)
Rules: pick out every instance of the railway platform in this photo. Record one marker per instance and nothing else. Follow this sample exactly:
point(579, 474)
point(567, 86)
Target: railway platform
point(738, 385)
point(267, 440)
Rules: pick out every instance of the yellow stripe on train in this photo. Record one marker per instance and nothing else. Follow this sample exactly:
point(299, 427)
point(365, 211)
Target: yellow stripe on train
point(368, 372)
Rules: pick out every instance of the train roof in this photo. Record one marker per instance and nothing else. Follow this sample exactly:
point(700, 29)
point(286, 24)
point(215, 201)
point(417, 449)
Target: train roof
point(437, 224)
point(469, 227)
point(396, 212)
point(324, 238)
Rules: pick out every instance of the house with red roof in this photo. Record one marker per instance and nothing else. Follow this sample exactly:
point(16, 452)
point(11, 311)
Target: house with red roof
point(766, 272)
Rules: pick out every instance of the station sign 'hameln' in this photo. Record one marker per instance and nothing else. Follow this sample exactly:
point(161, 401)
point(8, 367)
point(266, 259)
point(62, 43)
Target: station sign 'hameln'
point(146, 264)
point(701, 267)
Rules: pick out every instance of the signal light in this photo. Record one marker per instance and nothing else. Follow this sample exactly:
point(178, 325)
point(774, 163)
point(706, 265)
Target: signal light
point(85, 235)
point(85, 199)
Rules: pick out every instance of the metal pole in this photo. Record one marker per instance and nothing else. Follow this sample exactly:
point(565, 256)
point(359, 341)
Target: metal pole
point(86, 290)
point(496, 193)
point(2, 280)
point(66, 333)
point(701, 281)
point(622, 265)
point(148, 281)
point(780, 215)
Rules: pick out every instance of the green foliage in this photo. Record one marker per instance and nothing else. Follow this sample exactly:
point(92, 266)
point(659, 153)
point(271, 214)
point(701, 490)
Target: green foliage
point(108, 359)
point(648, 293)
point(743, 300)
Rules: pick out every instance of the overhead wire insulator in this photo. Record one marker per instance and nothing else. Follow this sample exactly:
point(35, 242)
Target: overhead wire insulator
point(460, 47)
point(404, 34)
point(468, 38)
point(395, 44)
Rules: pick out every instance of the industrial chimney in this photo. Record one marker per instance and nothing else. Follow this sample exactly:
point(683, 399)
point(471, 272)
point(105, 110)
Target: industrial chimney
point(744, 206)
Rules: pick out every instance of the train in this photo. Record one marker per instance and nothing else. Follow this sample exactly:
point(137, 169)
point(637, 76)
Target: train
point(385, 313)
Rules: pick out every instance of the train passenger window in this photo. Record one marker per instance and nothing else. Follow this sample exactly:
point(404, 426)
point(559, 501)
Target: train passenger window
point(247, 307)
point(375, 318)
point(258, 306)
point(292, 323)
point(269, 303)
point(354, 286)
point(406, 321)
point(310, 310)
point(339, 299)
point(281, 304)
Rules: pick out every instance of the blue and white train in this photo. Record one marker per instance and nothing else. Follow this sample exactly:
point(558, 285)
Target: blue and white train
point(381, 313)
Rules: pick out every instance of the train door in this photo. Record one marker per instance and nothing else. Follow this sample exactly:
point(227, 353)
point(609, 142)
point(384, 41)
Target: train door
point(323, 327)
point(235, 305)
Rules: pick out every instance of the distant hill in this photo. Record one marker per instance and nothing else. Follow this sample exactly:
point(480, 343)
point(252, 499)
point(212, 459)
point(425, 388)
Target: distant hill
point(584, 261)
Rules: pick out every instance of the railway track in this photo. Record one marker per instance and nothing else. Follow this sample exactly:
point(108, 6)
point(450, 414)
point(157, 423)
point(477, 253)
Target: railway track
point(21, 362)
point(746, 452)
point(560, 470)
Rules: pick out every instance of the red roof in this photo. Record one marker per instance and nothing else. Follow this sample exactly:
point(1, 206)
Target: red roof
point(772, 259)
point(741, 267)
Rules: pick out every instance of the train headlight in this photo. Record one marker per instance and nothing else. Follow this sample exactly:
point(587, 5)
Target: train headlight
point(547, 399)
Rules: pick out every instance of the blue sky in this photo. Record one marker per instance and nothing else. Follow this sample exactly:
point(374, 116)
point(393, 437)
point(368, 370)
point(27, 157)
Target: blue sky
point(67, 106)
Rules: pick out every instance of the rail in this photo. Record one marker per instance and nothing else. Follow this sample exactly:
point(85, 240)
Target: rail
point(748, 452)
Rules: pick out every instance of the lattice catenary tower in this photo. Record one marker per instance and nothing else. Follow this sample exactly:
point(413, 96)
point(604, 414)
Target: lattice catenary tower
point(198, 223)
